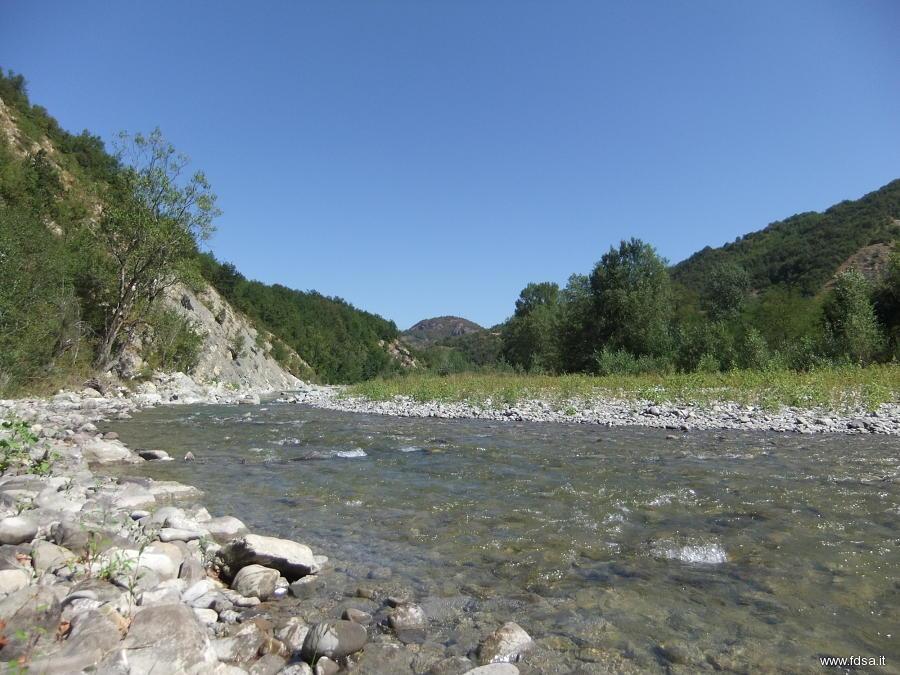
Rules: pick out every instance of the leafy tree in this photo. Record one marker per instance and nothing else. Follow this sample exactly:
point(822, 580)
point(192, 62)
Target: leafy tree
point(850, 322)
point(576, 331)
point(150, 225)
point(887, 302)
point(726, 291)
point(533, 296)
point(531, 336)
point(632, 299)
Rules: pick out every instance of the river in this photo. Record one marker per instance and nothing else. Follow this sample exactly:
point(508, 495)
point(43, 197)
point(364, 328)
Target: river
point(627, 549)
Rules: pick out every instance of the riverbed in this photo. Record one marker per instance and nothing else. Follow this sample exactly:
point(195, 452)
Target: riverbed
point(621, 549)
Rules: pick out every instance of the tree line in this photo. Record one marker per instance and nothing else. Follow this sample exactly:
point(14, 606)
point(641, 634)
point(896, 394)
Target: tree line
point(628, 316)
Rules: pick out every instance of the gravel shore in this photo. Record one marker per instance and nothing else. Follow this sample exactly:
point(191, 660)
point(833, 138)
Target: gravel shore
point(617, 412)
point(114, 574)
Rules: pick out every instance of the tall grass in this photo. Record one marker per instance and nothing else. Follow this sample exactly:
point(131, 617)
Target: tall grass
point(834, 387)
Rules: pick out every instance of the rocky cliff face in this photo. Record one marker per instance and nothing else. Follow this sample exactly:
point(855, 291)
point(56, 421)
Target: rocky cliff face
point(234, 352)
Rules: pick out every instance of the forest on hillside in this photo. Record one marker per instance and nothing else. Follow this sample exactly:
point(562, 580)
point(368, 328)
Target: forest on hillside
point(771, 300)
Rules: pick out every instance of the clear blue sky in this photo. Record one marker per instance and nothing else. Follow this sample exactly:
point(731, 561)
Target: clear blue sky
point(427, 158)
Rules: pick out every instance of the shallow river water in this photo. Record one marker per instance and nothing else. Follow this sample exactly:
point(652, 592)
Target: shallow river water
point(619, 549)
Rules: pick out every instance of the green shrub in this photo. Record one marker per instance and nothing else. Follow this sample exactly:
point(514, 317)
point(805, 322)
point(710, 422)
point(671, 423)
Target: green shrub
point(172, 342)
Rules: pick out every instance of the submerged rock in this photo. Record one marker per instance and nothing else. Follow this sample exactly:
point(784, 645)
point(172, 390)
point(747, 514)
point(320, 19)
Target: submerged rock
point(505, 644)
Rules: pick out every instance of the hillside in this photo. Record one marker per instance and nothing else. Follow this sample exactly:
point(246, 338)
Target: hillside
point(431, 331)
point(804, 251)
point(342, 343)
point(64, 262)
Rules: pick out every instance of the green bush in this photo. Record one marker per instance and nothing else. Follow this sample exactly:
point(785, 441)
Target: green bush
point(172, 342)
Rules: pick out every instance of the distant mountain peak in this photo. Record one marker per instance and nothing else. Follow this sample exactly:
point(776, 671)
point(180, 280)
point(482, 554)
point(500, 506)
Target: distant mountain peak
point(430, 331)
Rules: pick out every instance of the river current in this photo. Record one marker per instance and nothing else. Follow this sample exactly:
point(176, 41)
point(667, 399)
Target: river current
point(621, 549)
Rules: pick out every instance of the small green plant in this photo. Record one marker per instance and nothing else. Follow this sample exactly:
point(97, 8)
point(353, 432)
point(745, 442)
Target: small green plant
point(237, 346)
point(15, 446)
point(114, 566)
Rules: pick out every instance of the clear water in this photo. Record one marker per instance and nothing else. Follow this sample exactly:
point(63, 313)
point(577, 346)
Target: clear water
point(616, 549)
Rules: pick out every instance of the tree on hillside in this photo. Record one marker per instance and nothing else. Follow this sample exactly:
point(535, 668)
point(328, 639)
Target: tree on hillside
point(850, 322)
point(151, 223)
point(632, 300)
point(726, 292)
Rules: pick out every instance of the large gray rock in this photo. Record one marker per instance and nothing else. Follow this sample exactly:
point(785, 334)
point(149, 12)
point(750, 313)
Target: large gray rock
point(256, 581)
point(164, 639)
point(30, 614)
point(47, 557)
point(505, 644)
point(17, 530)
point(225, 528)
point(100, 451)
point(293, 633)
point(12, 580)
point(243, 646)
point(334, 639)
point(93, 633)
point(292, 559)
point(270, 664)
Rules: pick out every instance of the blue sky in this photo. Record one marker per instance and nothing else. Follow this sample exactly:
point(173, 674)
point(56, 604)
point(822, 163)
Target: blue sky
point(427, 158)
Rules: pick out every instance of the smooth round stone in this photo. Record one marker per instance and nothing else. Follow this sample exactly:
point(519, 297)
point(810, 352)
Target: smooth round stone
point(334, 639)
point(17, 530)
point(256, 581)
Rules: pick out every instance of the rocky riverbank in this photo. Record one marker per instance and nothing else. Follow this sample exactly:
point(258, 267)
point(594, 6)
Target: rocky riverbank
point(110, 573)
point(620, 412)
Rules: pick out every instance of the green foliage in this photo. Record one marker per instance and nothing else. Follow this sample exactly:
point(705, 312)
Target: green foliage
point(172, 342)
point(17, 443)
point(150, 225)
point(611, 361)
point(340, 342)
point(804, 251)
point(851, 326)
point(726, 291)
point(838, 388)
point(886, 297)
point(530, 337)
point(632, 300)
point(75, 284)
point(40, 329)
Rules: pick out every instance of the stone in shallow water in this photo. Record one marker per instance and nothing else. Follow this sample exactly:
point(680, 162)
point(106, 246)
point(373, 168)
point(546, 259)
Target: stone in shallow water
point(494, 669)
point(292, 559)
point(357, 616)
point(155, 455)
point(334, 639)
point(407, 617)
point(505, 644)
